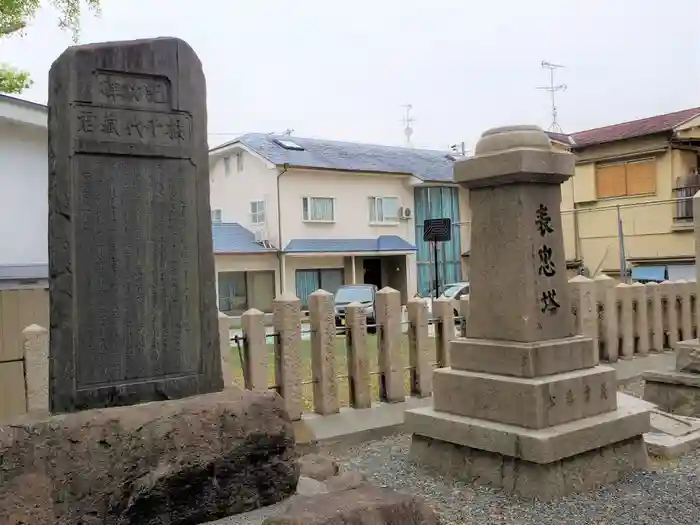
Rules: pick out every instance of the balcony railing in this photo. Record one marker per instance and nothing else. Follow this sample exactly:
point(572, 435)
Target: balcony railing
point(683, 194)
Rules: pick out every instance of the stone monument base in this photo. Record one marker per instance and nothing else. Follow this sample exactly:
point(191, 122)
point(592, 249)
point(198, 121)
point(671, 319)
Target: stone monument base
point(544, 481)
point(175, 462)
point(544, 463)
point(674, 392)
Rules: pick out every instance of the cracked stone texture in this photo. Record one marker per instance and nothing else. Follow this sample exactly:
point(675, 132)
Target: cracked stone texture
point(547, 481)
point(365, 505)
point(173, 463)
point(318, 466)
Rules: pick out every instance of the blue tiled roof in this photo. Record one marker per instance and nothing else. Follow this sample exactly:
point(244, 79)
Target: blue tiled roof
point(234, 238)
point(384, 243)
point(428, 165)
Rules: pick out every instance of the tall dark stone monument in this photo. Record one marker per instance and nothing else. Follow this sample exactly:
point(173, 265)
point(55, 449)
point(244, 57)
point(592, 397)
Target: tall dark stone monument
point(133, 307)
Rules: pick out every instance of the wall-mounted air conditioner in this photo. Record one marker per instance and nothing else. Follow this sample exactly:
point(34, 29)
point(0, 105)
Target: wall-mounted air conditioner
point(405, 213)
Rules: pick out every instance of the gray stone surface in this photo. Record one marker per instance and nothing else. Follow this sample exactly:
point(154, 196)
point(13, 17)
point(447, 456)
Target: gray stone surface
point(318, 466)
point(175, 462)
point(523, 359)
point(671, 435)
point(528, 402)
point(674, 392)
point(131, 268)
point(528, 256)
point(365, 505)
point(578, 473)
point(688, 356)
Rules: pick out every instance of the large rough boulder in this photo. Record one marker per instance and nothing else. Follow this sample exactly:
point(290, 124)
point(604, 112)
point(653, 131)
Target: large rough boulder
point(179, 462)
point(365, 505)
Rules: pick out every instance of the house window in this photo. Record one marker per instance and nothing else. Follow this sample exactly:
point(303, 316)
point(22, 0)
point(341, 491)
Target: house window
point(318, 209)
point(383, 209)
point(216, 215)
point(257, 212)
point(308, 281)
point(227, 166)
point(624, 179)
point(239, 161)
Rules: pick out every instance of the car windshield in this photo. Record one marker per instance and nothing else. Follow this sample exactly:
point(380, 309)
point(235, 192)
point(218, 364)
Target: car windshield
point(452, 290)
point(351, 294)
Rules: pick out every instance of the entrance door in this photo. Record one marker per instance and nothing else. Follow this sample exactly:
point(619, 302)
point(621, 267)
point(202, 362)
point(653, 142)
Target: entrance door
point(372, 272)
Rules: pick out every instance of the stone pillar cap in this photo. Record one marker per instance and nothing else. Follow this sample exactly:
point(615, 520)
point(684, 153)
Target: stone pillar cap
point(514, 154)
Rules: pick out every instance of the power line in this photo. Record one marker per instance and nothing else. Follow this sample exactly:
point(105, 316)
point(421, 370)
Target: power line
point(552, 89)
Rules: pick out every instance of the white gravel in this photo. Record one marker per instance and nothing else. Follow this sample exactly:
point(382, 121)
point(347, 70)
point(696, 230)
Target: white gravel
point(668, 494)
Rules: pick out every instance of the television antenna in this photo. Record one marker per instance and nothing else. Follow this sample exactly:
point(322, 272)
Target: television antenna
point(408, 120)
point(553, 89)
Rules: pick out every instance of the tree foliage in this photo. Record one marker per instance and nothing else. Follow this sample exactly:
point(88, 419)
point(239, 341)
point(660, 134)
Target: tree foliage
point(14, 17)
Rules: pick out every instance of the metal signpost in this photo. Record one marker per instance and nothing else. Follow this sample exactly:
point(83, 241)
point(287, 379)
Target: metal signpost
point(435, 231)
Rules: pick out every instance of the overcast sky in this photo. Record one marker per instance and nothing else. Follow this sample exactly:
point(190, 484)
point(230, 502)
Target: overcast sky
point(342, 70)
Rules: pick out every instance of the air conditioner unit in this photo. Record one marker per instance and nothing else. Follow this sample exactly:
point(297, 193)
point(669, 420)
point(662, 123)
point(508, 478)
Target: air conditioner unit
point(405, 213)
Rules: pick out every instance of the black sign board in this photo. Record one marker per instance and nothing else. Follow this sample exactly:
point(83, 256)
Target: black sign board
point(437, 230)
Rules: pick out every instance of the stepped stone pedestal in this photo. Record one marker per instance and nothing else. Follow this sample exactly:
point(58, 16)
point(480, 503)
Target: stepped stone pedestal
point(525, 405)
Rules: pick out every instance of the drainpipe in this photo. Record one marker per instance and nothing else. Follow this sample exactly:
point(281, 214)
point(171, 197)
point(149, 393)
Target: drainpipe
point(281, 268)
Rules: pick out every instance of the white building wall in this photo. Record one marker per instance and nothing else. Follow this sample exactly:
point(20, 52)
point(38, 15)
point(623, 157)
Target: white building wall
point(23, 194)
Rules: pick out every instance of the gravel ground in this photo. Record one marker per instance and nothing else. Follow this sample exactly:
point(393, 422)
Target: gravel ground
point(667, 494)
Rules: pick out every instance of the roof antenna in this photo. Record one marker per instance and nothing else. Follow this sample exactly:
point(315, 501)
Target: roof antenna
point(407, 121)
point(552, 89)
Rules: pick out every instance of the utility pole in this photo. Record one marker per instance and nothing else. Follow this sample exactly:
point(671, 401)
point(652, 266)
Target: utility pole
point(553, 89)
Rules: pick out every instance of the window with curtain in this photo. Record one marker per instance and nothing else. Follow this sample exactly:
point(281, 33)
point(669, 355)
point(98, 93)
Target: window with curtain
point(216, 215)
point(625, 179)
point(233, 293)
point(384, 209)
point(308, 281)
point(321, 209)
point(257, 212)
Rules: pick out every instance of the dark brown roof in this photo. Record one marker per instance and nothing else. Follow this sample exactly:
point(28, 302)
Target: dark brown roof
point(629, 130)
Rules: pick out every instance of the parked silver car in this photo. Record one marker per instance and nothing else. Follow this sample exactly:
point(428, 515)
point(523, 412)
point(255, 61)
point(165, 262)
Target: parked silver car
point(453, 291)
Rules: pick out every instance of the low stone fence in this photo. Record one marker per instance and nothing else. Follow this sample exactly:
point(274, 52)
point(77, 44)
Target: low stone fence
point(627, 320)
point(624, 321)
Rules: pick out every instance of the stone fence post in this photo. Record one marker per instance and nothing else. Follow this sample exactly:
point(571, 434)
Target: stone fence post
point(255, 359)
point(419, 348)
point(626, 320)
point(356, 348)
point(669, 294)
point(325, 386)
point(36, 368)
point(585, 304)
point(641, 324)
point(464, 314)
point(443, 313)
point(225, 349)
point(391, 384)
point(685, 290)
point(612, 318)
point(286, 319)
point(656, 318)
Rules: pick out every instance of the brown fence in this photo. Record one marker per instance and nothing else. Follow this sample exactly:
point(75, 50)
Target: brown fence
point(18, 310)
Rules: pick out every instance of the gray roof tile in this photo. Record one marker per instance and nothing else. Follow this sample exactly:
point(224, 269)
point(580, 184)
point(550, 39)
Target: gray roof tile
point(233, 238)
point(427, 165)
point(384, 243)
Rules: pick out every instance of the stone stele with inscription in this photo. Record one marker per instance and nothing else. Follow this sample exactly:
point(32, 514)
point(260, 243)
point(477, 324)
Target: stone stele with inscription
point(133, 307)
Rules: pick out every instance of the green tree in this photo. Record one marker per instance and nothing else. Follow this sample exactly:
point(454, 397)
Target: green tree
point(14, 17)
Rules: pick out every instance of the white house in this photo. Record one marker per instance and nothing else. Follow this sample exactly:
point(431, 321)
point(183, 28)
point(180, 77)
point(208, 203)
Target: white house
point(328, 213)
point(23, 193)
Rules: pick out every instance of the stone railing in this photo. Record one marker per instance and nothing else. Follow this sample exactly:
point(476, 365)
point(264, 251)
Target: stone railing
point(316, 366)
point(628, 320)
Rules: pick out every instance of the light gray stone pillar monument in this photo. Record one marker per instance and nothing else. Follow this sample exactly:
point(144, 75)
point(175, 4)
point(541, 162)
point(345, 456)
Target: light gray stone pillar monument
point(678, 391)
point(525, 405)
